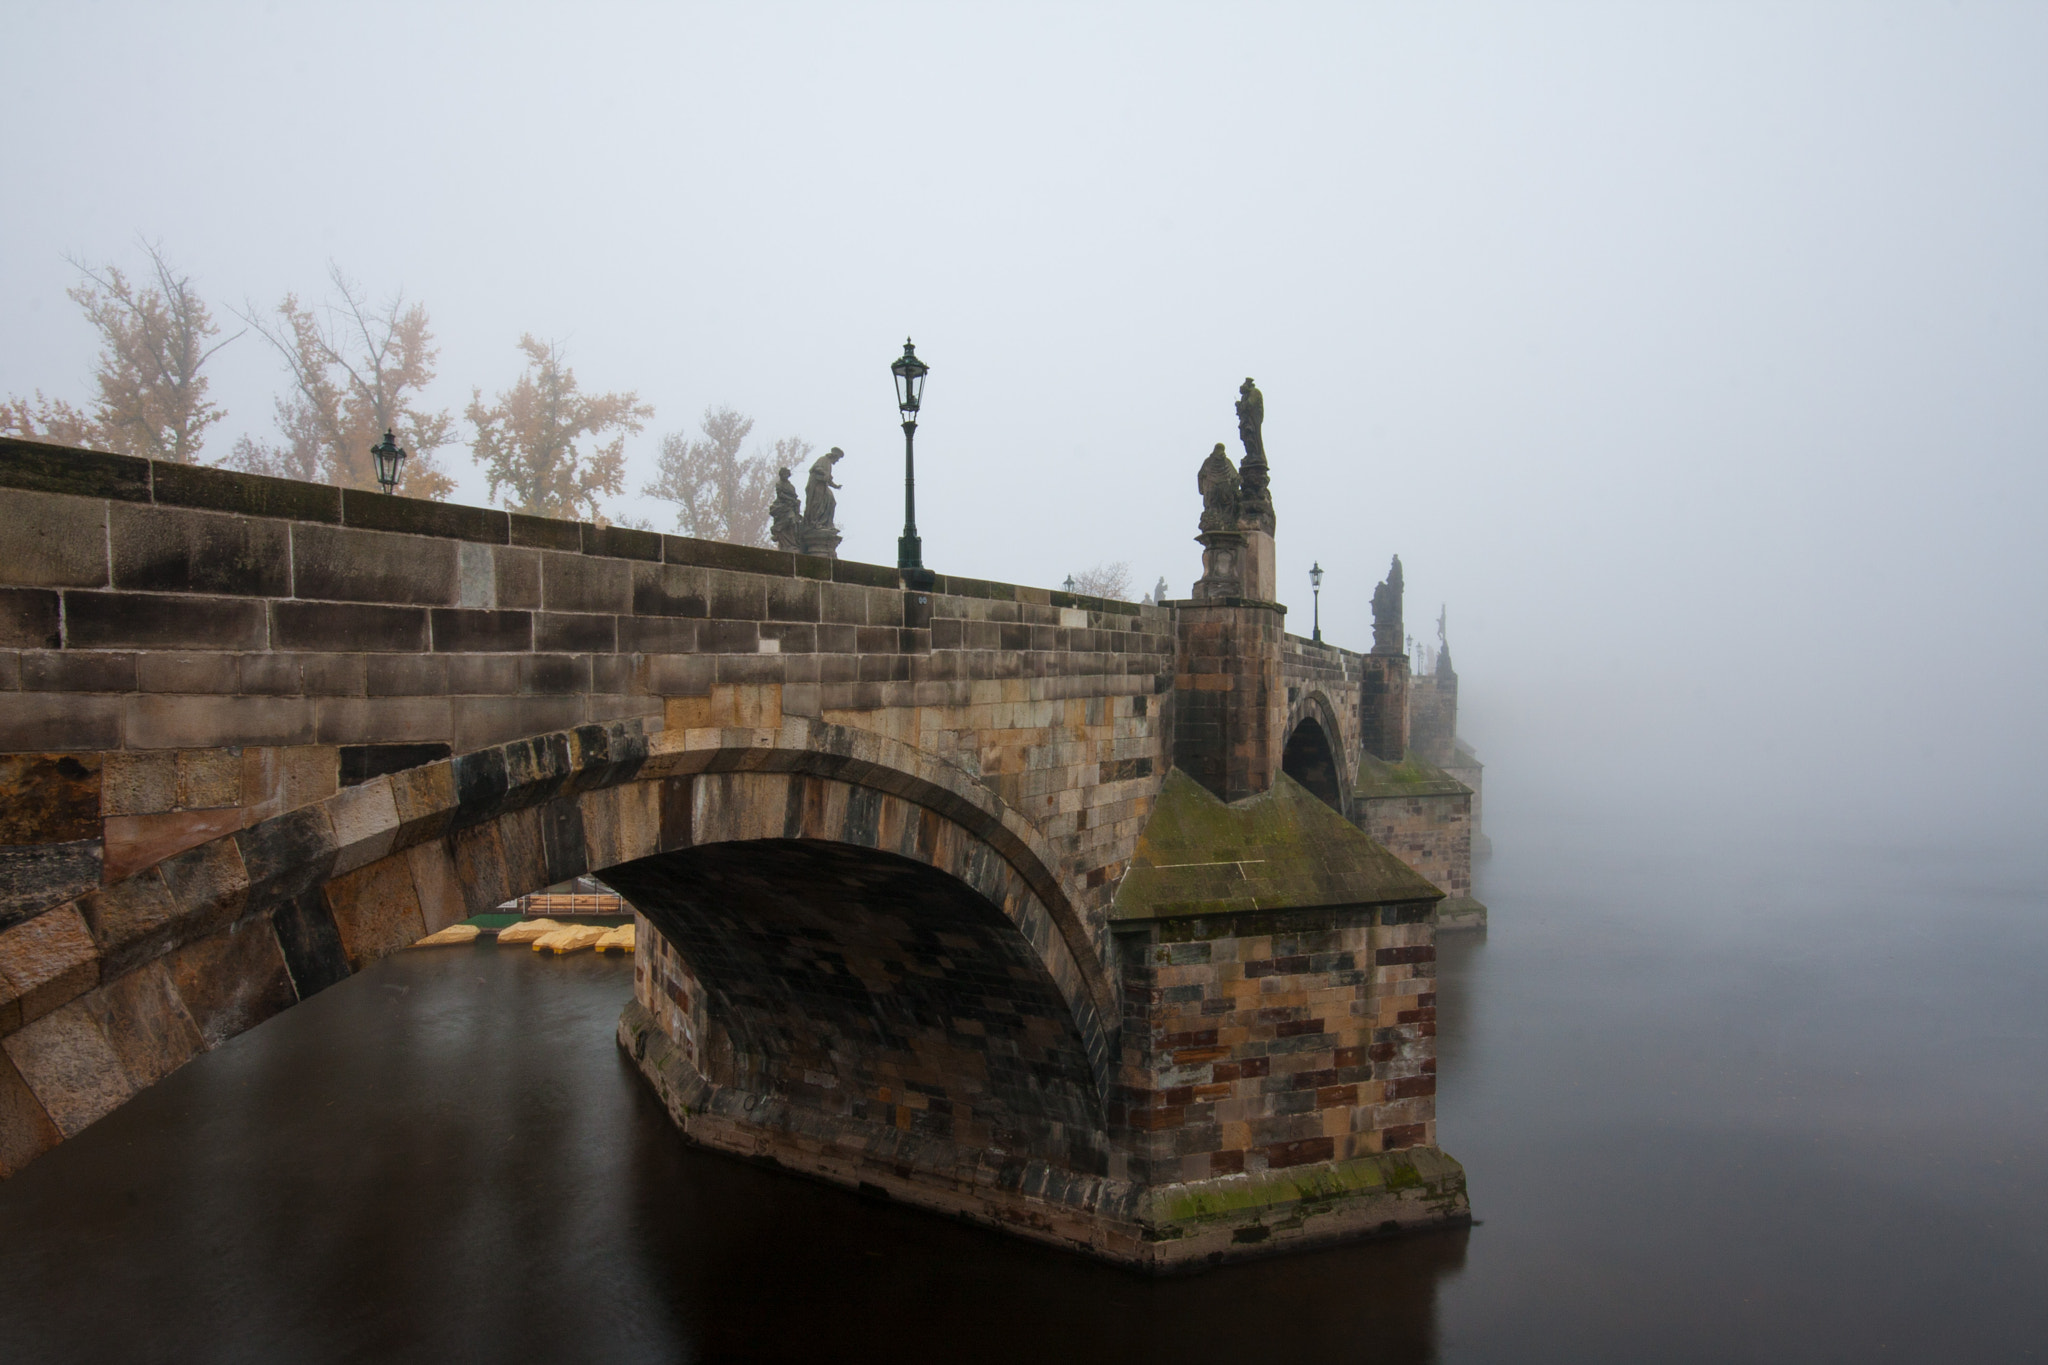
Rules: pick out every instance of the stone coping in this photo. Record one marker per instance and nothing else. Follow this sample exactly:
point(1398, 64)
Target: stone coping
point(1280, 850)
point(1412, 776)
point(42, 467)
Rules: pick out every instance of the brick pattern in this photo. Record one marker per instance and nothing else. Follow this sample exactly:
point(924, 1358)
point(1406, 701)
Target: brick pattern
point(1433, 717)
point(1383, 706)
point(1229, 698)
point(1432, 834)
point(1262, 1041)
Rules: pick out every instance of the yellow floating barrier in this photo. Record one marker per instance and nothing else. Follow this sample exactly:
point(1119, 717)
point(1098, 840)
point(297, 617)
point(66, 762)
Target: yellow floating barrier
point(571, 940)
point(527, 931)
point(454, 933)
point(619, 940)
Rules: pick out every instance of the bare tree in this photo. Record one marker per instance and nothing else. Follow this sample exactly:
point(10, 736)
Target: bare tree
point(527, 441)
point(357, 371)
point(1105, 580)
point(719, 493)
point(153, 351)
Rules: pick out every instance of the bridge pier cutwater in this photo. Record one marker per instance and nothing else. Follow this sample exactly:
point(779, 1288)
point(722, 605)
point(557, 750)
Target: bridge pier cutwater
point(999, 900)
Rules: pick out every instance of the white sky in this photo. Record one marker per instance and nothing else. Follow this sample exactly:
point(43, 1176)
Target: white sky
point(1693, 353)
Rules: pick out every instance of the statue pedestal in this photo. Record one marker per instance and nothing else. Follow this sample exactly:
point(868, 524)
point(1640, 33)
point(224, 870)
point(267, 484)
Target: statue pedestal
point(821, 541)
point(1223, 565)
point(1258, 575)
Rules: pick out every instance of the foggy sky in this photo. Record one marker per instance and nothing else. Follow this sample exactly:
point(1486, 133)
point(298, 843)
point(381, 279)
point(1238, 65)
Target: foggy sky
point(1693, 354)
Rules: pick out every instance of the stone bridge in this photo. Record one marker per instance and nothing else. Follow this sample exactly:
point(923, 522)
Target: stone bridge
point(1048, 911)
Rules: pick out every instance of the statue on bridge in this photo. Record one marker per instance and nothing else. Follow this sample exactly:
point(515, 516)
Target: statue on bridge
point(820, 535)
point(1256, 512)
point(786, 515)
point(1217, 481)
point(1386, 613)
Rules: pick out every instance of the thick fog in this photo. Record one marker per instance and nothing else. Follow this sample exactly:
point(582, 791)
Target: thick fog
point(1693, 355)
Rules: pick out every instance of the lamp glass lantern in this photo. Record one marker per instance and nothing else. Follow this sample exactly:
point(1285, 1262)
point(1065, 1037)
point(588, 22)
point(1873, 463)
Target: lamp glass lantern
point(389, 457)
point(1315, 583)
point(910, 373)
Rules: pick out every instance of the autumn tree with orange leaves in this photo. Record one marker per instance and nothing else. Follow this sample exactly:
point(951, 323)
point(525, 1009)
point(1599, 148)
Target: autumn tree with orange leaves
point(357, 370)
point(532, 441)
point(150, 374)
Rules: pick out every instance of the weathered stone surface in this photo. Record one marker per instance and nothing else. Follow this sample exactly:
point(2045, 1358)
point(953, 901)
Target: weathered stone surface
point(29, 619)
point(136, 620)
point(254, 495)
point(313, 951)
point(145, 1023)
point(350, 628)
point(435, 885)
point(49, 798)
point(135, 842)
point(157, 549)
point(44, 962)
point(232, 980)
point(72, 1068)
point(25, 1128)
point(37, 877)
point(47, 468)
point(53, 542)
point(376, 910)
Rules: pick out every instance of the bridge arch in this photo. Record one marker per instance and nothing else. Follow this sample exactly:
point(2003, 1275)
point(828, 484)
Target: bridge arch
point(248, 924)
point(1314, 751)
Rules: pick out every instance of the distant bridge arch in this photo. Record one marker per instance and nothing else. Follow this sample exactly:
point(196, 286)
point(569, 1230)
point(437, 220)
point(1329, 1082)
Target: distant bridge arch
point(1314, 753)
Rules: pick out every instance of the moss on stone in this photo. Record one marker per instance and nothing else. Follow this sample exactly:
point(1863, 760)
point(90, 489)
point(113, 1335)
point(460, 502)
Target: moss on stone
point(1412, 776)
point(1304, 1189)
point(1280, 850)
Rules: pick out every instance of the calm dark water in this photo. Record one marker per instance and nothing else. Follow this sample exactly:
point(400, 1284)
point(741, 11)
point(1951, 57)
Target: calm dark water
point(1792, 1111)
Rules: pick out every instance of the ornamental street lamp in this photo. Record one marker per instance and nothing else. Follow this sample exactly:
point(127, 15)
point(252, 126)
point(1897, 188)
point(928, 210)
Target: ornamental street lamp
point(389, 457)
point(910, 373)
point(1315, 583)
point(1070, 582)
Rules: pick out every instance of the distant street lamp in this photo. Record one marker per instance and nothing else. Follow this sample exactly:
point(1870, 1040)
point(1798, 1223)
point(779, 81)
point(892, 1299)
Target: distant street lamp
point(1315, 583)
point(389, 457)
point(1070, 582)
point(910, 373)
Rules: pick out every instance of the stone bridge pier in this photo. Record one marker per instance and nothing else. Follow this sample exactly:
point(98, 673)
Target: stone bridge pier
point(1044, 911)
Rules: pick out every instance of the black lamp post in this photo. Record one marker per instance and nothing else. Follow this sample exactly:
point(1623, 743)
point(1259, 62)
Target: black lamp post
point(910, 373)
point(389, 457)
point(1070, 582)
point(1315, 583)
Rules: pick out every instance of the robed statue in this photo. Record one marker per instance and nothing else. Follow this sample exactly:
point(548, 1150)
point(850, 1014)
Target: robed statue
point(1386, 613)
point(786, 515)
point(820, 507)
point(1256, 498)
point(1218, 482)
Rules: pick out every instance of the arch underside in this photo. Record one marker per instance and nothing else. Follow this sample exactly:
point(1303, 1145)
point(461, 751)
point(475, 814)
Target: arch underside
point(1311, 759)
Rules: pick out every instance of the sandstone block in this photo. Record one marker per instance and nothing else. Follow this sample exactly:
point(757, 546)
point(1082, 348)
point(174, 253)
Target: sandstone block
point(145, 1023)
point(134, 842)
point(26, 1131)
point(493, 631)
point(135, 620)
point(161, 549)
point(53, 542)
point(49, 798)
point(232, 980)
point(194, 722)
point(39, 877)
point(376, 910)
point(339, 627)
point(69, 1064)
point(585, 583)
point(436, 887)
point(44, 962)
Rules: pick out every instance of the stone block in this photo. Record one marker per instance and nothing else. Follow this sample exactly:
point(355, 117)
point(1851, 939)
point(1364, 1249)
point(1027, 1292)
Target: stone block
point(657, 635)
point(275, 780)
point(517, 575)
point(425, 799)
point(867, 575)
point(546, 533)
point(671, 590)
point(232, 980)
point(249, 495)
point(25, 1128)
point(134, 842)
point(69, 1064)
point(29, 619)
point(554, 674)
point(52, 542)
point(488, 675)
point(44, 962)
point(209, 885)
point(476, 580)
point(365, 820)
point(43, 467)
point(405, 675)
point(483, 721)
point(621, 542)
point(145, 1022)
point(381, 511)
point(310, 942)
point(457, 630)
point(362, 762)
point(382, 720)
point(192, 722)
point(130, 920)
point(575, 633)
point(161, 549)
point(729, 637)
point(793, 599)
point(348, 627)
point(285, 855)
point(138, 783)
point(132, 620)
point(178, 671)
point(680, 675)
point(375, 910)
point(49, 798)
point(336, 564)
point(436, 888)
point(719, 554)
point(38, 877)
point(585, 583)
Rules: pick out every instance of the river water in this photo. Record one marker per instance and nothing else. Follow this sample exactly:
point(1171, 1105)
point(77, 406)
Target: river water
point(1793, 1110)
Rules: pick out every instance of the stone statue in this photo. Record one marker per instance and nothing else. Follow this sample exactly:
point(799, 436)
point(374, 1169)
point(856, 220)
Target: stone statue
point(819, 505)
point(820, 535)
point(1159, 593)
point(1386, 613)
point(1218, 482)
point(786, 515)
point(1256, 500)
point(1443, 645)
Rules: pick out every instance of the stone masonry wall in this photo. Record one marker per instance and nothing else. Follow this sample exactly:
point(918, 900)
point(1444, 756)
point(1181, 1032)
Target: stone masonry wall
point(1257, 1042)
point(1431, 833)
point(1231, 701)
